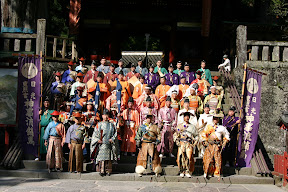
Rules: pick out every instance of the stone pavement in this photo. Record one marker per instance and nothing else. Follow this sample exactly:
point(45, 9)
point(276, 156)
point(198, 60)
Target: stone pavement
point(12, 184)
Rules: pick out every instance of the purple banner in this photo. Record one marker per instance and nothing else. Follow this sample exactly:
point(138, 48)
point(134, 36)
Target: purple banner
point(250, 123)
point(29, 86)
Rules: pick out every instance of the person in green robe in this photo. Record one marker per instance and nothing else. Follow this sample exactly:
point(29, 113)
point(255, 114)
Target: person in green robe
point(46, 118)
point(206, 73)
point(178, 71)
point(158, 67)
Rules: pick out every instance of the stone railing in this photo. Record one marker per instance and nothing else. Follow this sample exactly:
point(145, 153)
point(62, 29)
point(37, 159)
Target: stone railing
point(260, 54)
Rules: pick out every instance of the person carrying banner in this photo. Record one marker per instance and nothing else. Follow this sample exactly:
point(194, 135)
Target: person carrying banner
point(79, 101)
point(131, 118)
point(167, 117)
point(185, 137)
point(215, 138)
point(171, 78)
point(111, 101)
point(213, 99)
point(46, 118)
point(147, 137)
point(76, 137)
point(55, 132)
point(152, 78)
point(161, 91)
point(102, 140)
point(139, 88)
point(125, 93)
point(231, 123)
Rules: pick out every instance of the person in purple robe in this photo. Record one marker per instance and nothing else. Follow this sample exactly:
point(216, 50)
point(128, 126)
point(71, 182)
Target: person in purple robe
point(189, 76)
point(171, 78)
point(231, 123)
point(167, 118)
point(66, 77)
point(152, 78)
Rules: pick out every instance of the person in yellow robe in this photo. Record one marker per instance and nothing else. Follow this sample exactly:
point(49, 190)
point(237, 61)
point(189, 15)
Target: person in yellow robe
point(161, 91)
point(139, 88)
point(126, 93)
point(213, 99)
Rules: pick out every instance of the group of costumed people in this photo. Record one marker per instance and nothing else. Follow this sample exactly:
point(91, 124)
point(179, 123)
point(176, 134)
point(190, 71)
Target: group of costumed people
point(107, 112)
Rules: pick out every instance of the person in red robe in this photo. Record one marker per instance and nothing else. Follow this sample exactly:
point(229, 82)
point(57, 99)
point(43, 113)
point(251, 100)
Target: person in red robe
point(132, 73)
point(111, 77)
point(131, 117)
point(92, 73)
point(140, 101)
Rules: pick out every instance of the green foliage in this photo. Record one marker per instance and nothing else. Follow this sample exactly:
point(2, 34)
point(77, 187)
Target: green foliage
point(58, 17)
point(138, 43)
point(249, 3)
point(279, 8)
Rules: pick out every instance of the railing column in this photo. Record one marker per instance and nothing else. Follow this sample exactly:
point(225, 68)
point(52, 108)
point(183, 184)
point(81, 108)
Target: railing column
point(265, 53)
point(17, 45)
point(54, 47)
point(285, 54)
point(254, 53)
point(28, 45)
point(276, 53)
point(64, 49)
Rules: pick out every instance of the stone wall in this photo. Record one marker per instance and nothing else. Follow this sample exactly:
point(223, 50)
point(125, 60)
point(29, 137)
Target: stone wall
point(274, 99)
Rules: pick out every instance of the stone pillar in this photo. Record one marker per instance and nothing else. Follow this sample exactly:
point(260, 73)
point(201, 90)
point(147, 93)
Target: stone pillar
point(40, 39)
point(241, 45)
point(254, 53)
point(265, 53)
point(285, 54)
point(276, 53)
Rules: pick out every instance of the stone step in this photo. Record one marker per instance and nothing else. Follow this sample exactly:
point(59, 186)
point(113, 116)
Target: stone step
point(226, 179)
point(215, 73)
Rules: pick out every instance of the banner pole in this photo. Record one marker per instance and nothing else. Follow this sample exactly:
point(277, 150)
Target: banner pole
point(41, 100)
point(241, 109)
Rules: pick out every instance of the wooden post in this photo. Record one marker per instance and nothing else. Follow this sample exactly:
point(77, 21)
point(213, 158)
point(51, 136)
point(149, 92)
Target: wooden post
point(41, 101)
point(54, 47)
point(241, 110)
point(64, 49)
point(40, 40)
point(73, 50)
point(241, 45)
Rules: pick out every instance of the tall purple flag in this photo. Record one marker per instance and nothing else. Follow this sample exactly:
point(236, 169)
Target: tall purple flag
point(250, 123)
point(29, 86)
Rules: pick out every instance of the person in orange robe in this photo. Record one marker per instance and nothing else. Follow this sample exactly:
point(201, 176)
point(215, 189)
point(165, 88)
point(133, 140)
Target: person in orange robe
point(104, 91)
point(126, 93)
point(111, 102)
point(161, 91)
point(139, 88)
point(182, 88)
point(91, 93)
point(131, 117)
point(132, 73)
point(140, 101)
